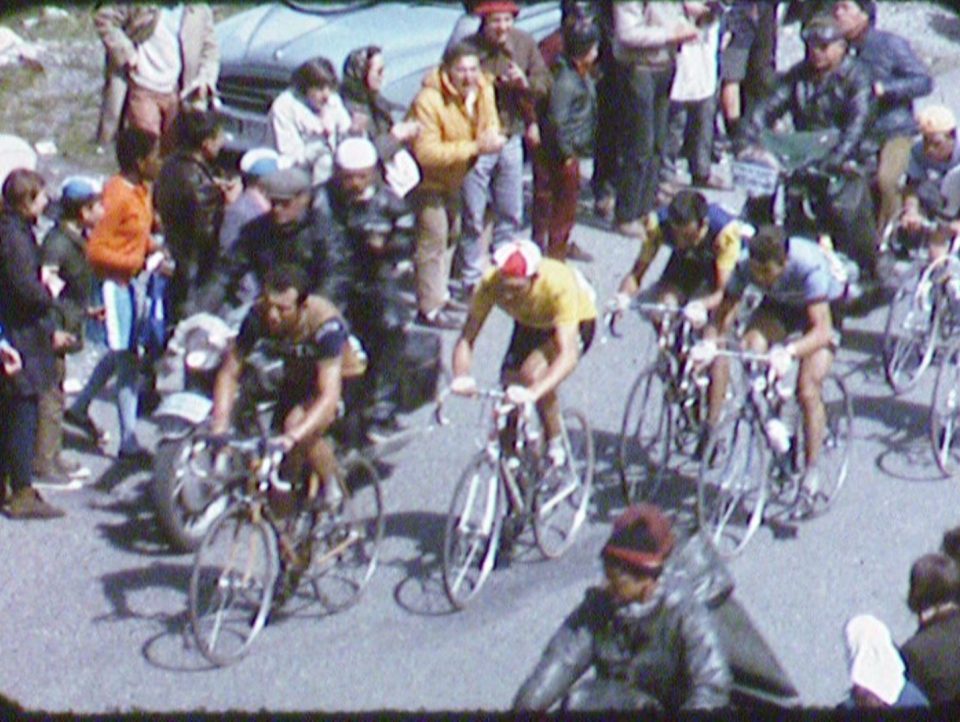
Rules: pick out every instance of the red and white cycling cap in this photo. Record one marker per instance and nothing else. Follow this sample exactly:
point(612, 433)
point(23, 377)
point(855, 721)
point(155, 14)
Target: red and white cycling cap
point(519, 258)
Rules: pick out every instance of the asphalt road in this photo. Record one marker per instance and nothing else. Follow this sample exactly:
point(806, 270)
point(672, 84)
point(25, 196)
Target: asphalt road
point(94, 605)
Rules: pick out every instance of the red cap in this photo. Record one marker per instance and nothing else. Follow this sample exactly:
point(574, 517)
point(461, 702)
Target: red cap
point(518, 259)
point(496, 6)
point(642, 539)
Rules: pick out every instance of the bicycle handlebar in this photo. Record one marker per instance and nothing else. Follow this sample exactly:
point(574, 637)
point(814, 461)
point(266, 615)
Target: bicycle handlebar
point(647, 308)
point(494, 393)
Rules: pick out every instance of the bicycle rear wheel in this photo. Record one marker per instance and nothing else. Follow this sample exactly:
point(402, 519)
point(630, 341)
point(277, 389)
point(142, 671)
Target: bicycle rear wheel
point(945, 415)
point(231, 588)
point(909, 339)
point(732, 489)
point(563, 492)
point(472, 531)
point(834, 461)
point(346, 542)
point(645, 435)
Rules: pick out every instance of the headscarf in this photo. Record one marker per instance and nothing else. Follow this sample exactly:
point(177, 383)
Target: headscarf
point(875, 662)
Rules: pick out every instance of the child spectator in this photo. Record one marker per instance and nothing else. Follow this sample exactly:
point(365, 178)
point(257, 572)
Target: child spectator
point(64, 253)
point(117, 251)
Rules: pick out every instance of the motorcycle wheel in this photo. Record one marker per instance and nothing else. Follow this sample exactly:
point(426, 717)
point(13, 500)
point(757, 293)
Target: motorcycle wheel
point(183, 528)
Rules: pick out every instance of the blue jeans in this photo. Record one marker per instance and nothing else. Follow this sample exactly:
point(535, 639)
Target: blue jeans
point(495, 179)
point(124, 364)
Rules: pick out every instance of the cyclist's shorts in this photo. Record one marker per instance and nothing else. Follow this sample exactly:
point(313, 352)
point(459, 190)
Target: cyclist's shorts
point(526, 340)
point(687, 275)
point(789, 320)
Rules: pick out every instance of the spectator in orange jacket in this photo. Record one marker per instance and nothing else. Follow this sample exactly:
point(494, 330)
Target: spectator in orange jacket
point(117, 251)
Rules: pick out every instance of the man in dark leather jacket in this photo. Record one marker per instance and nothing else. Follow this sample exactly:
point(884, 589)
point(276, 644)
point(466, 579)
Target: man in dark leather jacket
point(190, 203)
point(899, 77)
point(365, 216)
point(292, 232)
point(648, 635)
point(829, 89)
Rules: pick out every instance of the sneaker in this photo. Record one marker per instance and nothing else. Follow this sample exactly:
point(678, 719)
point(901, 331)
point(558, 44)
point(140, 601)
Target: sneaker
point(603, 207)
point(56, 482)
point(632, 229)
point(134, 453)
point(575, 253)
point(27, 503)
point(70, 468)
point(439, 319)
point(82, 421)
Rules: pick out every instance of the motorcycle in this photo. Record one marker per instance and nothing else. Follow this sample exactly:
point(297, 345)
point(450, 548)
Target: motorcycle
point(784, 186)
point(183, 490)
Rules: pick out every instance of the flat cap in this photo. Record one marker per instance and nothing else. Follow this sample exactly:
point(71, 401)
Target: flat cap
point(285, 184)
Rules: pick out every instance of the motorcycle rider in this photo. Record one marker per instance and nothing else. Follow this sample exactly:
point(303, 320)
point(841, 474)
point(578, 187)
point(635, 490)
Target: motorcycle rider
point(827, 90)
point(291, 232)
point(365, 214)
point(312, 338)
point(899, 76)
point(647, 634)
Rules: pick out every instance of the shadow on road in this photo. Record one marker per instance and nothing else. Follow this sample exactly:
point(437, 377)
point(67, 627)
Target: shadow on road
point(420, 591)
point(906, 454)
point(136, 530)
point(170, 647)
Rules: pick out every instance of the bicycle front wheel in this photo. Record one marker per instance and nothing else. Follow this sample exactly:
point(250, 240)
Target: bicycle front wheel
point(909, 339)
point(732, 490)
point(472, 531)
point(645, 436)
point(945, 415)
point(346, 542)
point(834, 461)
point(232, 585)
point(563, 492)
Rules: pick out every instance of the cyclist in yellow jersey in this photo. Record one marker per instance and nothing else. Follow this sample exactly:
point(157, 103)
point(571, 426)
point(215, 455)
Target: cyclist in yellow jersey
point(553, 307)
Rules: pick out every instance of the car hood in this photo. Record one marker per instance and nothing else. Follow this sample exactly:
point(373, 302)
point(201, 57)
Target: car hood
point(278, 36)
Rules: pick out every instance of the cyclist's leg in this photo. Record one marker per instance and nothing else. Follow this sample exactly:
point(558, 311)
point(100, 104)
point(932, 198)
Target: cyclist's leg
point(813, 370)
point(314, 450)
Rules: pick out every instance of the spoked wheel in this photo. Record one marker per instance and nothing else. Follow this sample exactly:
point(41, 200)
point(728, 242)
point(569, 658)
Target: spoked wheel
point(732, 490)
point(945, 415)
point(645, 435)
point(563, 492)
point(910, 337)
point(472, 531)
point(232, 585)
point(834, 462)
point(346, 541)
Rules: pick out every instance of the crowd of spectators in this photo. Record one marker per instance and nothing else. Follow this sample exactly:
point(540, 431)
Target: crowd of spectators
point(640, 88)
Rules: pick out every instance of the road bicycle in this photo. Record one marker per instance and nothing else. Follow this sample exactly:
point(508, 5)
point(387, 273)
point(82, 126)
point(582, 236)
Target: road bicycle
point(666, 406)
point(753, 466)
point(272, 539)
point(510, 483)
point(922, 317)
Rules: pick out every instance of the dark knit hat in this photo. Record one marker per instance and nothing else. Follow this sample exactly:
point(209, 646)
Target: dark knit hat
point(579, 37)
point(642, 539)
point(489, 7)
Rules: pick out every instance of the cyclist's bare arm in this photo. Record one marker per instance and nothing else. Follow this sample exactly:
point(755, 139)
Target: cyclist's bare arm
point(225, 389)
point(463, 349)
point(712, 300)
point(724, 316)
point(630, 285)
point(820, 333)
point(322, 412)
point(567, 340)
